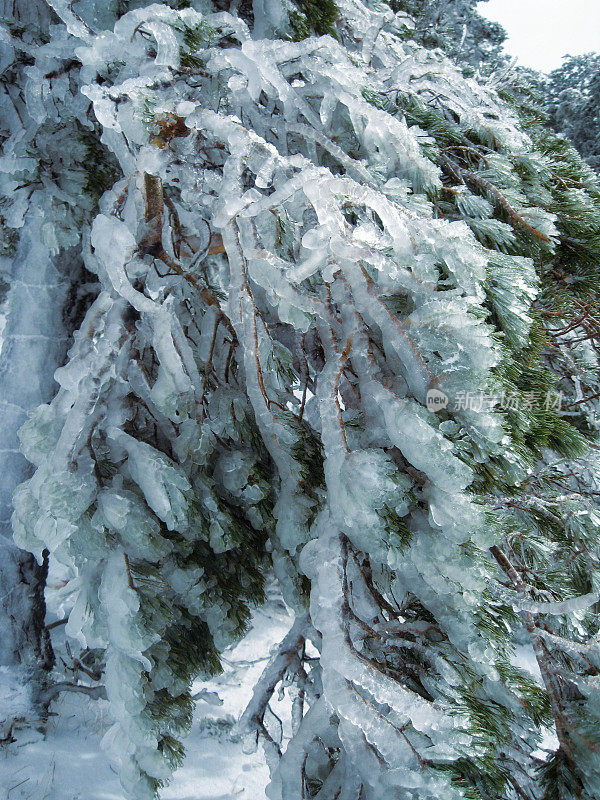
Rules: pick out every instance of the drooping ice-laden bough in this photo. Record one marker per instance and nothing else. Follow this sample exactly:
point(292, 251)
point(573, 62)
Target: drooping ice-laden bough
point(303, 240)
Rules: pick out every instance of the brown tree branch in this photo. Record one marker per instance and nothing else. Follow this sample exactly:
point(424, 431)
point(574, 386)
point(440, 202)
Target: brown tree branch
point(48, 694)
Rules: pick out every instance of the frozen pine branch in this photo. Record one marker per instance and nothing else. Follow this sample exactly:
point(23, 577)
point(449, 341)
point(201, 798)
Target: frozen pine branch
point(300, 240)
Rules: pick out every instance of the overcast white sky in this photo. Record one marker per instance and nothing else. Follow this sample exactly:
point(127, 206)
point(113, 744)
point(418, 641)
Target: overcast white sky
point(540, 32)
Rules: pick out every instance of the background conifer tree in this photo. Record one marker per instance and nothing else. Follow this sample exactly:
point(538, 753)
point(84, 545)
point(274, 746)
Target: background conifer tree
point(573, 93)
point(457, 28)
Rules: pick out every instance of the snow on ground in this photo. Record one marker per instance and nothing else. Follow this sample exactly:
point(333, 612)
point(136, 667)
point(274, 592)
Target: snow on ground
point(14, 700)
point(68, 763)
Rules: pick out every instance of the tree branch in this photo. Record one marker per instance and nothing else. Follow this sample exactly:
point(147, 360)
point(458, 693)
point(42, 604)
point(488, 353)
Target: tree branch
point(48, 694)
point(252, 718)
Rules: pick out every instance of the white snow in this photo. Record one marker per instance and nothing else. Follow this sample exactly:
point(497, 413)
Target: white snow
point(68, 763)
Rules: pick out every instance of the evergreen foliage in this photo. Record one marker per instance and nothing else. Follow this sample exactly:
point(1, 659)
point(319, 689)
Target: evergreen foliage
point(457, 28)
point(573, 94)
point(302, 244)
point(313, 16)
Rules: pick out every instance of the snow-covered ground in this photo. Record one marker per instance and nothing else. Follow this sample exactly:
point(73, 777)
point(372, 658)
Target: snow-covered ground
point(67, 762)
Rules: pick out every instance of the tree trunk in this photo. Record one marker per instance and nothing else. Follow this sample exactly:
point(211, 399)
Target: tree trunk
point(34, 346)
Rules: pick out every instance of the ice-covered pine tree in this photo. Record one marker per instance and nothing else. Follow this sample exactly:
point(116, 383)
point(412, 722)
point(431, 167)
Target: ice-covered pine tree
point(457, 28)
point(48, 194)
point(303, 238)
point(21, 579)
point(573, 94)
